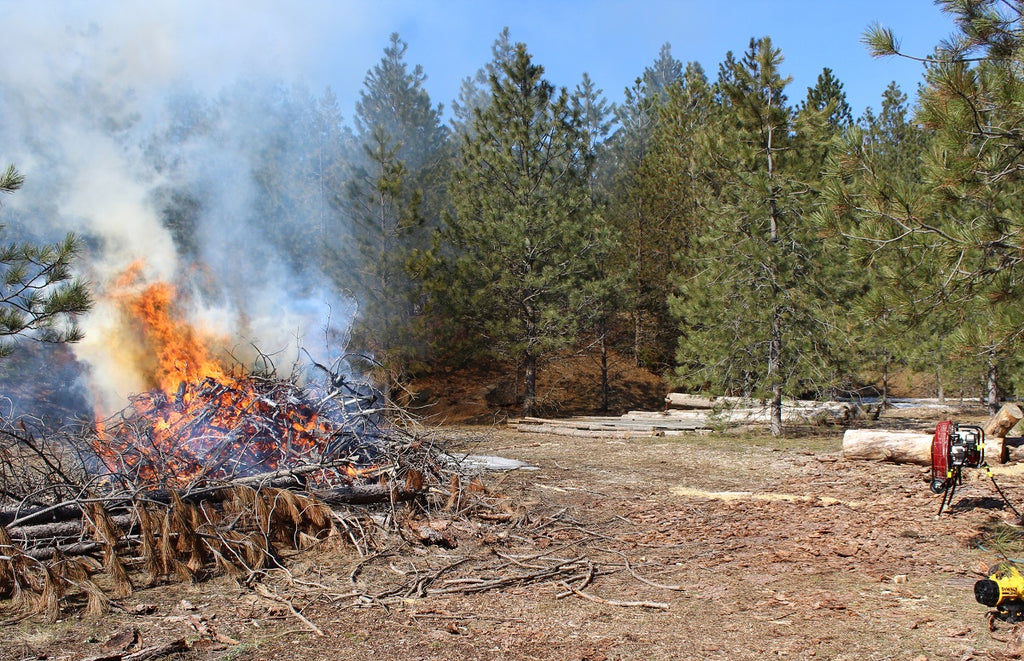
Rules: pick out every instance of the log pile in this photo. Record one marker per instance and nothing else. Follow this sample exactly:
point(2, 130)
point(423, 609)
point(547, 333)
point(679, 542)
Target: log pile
point(699, 414)
point(222, 475)
point(745, 408)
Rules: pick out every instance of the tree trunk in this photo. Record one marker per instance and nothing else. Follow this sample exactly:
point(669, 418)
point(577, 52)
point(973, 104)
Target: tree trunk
point(530, 384)
point(992, 384)
point(775, 374)
point(605, 387)
point(885, 383)
point(637, 335)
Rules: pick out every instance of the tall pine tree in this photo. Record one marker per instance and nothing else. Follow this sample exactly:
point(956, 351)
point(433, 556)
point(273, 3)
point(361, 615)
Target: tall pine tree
point(748, 312)
point(969, 226)
point(394, 199)
point(647, 228)
point(596, 120)
point(522, 235)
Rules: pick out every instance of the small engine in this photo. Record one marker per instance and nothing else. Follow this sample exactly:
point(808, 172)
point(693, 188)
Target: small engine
point(1002, 590)
point(955, 447)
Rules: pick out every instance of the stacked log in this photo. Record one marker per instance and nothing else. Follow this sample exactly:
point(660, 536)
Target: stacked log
point(636, 424)
point(588, 427)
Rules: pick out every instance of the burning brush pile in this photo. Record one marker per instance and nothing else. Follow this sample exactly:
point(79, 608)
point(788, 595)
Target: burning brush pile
point(227, 428)
point(212, 470)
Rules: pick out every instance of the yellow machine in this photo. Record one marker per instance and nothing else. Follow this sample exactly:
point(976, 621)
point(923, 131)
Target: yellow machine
point(1003, 590)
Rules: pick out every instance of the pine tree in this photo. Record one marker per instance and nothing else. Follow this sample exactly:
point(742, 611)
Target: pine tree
point(475, 91)
point(596, 121)
point(827, 283)
point(41, 298)
point(330, 141)
point(395, 198)
point(748, 313)
point(885, 152)
point(969, 225)
point(676, 169)
point(647, 229)
point(522, 237)
point(827, 96)
point(663, 74)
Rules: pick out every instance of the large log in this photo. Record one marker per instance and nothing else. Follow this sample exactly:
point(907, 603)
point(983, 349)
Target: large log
point(687, 401)
point(1003, 421)
point(566, 430)
point(903, 447)
point(906, 447)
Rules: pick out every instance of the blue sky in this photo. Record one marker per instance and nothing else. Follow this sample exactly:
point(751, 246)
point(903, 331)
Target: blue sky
point(335, 42)
point(614, 40)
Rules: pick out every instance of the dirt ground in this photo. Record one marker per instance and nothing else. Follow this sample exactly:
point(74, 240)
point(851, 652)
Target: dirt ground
point(727, 546)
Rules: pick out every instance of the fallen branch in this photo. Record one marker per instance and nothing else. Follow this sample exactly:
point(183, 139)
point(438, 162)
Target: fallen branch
point(147, 653)
point(262, 591)
point(660, 605)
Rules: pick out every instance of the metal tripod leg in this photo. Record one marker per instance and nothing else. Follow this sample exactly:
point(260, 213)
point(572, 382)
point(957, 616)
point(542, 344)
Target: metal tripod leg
point(947, 495)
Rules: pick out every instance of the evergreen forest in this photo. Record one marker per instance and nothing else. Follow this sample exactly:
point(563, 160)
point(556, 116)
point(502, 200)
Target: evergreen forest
point(718, 226)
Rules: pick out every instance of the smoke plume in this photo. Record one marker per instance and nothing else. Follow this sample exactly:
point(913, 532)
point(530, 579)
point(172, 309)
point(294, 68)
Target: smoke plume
point(135, 128)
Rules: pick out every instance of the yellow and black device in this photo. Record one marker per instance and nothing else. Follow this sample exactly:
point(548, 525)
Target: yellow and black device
point(1003, 590)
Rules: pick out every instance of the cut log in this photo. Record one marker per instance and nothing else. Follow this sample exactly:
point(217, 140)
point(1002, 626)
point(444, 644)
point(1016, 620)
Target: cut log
point(902, 447)
point(906, 447)
point(745, 410)
point(687, 401)
point(1003, 421)
point(565, 430)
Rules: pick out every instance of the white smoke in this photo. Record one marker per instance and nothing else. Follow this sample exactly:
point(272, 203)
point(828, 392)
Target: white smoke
point(83, 90)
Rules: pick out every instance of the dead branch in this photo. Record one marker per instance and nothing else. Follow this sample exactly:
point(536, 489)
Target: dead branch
point(660, 605)
point(147, 653)
point(264, 592)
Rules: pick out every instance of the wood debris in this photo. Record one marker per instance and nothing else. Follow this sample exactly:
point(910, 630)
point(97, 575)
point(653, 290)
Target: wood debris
point(220, 476)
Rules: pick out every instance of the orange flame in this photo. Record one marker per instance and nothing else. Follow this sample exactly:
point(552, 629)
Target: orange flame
point(199, 421)
point(173, 351)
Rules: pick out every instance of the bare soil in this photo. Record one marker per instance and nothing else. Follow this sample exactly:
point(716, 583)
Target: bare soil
point(730, 546)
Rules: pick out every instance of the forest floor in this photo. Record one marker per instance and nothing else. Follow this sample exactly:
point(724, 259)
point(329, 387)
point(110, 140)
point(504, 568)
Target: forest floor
point(725, 546)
